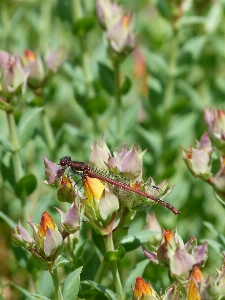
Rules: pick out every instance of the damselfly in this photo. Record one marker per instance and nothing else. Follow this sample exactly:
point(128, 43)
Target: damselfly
point(136, 193)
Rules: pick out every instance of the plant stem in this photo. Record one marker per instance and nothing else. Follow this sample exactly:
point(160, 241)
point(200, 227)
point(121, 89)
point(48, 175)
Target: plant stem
point(101, 271)
point(118, 103)
point(169, 89)
point(114, 268)
point(86, 69)
point(78, 12)
point(55, 278)
point(48, 131)
point(17, 164)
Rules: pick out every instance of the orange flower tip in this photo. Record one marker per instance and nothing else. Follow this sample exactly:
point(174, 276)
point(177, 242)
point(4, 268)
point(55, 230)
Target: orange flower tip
point(189, 156)
point(136, 185)
point(168, 235)
point(223, 161)
point(197, 274)
point(46, 222)
point(220, 114)
point(141, 287)
point(30, 56)
point(126, 20)
point(65, 182)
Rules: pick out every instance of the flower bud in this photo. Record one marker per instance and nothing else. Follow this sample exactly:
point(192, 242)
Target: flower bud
point(14, 76)
point(33, 62)
point(128, 161)
point(49, 238)
point(143, 291)
point(193, 288)
point(218, 181)
point(40, 69)
point(215, 122)
point(198, 159)
point(179, 258)
point(153, 225)
point(120, 35)
point(108, 13)
point(47, 243)
point(100, 154)
point(71, 219)
point(118, 27)
point(54, 59)
point(53, 243)
point(21, 237)
point(52, 171)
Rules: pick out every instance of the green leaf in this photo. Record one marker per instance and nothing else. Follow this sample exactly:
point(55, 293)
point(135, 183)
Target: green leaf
point(134, 241)
point(164, 8)
point(107, 292)
point(39, 296)
point(25, 186)
point(91, 262)
point(82, 26)
point(156, 64)
point(126, 86)
point(135, 272)
point(42, 264)
point(96, 105)
point(107, 78)
point(46, 285)
point(214, 17)
point(64, 11)
point(194, 46)
point(211, 228)
point(71, 285)
point(5, 105)
point(129, 117)
point(120, 233)
point(192, 20)
point(10, 222)
point(27, 125)
point(218, 248)
point(155, 85)
point(5, 143)
point(178, 128)
point(114, 255)
point(23, 291)
point(98, 241)
point(219, 236)
point(153, 138)
point(8, 173)
point(60, 262)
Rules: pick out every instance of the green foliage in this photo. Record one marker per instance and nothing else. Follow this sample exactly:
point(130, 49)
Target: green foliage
point(71, 285)
point(153, 96)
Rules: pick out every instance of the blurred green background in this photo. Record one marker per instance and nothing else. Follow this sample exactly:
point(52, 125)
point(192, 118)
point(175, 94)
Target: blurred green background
point(174, 72)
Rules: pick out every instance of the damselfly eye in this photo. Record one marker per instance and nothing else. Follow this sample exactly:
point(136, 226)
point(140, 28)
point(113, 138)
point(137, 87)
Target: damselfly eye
point(65, 161)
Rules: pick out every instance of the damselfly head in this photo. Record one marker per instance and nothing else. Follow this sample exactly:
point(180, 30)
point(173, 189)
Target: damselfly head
point(65, 161)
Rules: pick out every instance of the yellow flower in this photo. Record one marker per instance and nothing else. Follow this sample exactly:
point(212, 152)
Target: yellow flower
point(93, 188)
point(196, 277)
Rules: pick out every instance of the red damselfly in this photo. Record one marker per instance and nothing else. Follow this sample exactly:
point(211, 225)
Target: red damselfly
point(135, 193)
